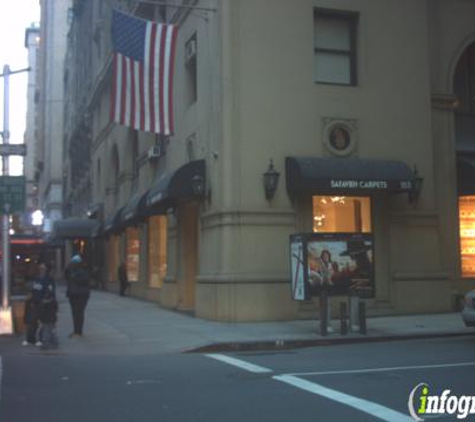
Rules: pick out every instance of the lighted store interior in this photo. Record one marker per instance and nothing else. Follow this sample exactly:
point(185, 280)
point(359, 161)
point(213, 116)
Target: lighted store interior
point(342, 214)
point(467, 235)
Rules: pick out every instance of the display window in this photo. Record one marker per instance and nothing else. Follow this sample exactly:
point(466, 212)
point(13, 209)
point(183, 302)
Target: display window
point(467, 235)
point(341, 214)
point(133, 253)
point(157, 250)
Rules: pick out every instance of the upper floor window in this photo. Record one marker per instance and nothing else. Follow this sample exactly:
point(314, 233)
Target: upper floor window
point(335, 46)
point(191, 80)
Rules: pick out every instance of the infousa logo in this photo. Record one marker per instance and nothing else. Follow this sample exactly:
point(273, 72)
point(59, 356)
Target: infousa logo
point(423, 405)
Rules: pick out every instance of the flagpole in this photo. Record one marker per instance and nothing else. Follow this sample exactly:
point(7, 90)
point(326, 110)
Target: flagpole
point(176, 6)
point(6, 323)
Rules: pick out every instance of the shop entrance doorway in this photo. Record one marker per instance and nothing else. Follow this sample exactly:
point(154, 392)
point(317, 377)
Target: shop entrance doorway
point(341, 214)
point(188, 263)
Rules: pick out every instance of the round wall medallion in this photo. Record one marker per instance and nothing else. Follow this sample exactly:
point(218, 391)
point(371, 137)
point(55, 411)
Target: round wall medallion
point(339, 138)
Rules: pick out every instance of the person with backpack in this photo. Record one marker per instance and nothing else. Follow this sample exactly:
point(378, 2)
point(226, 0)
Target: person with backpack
point(42, 285)
point(78, 291)
point(48, 318)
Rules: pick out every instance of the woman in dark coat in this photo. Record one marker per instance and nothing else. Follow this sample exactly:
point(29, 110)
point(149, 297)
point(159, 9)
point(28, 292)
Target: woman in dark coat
point(78, 291)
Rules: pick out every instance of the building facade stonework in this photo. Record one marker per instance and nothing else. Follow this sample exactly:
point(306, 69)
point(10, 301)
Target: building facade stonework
point(353, 103)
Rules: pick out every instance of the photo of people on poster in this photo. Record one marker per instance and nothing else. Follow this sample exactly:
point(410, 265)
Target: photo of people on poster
point(340, 266)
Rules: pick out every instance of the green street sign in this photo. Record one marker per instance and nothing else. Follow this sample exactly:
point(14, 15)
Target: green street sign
point(12, 194)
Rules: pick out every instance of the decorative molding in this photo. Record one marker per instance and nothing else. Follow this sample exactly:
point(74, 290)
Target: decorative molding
point(413, 218)
point(421, 276)
point(447, 102)
point(250, 217)
point(254, 279)
point(340, 136)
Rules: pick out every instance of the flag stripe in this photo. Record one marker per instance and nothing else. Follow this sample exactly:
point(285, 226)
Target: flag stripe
point(148, 47)
point(172, 73)
point(132, 93)
point(142, 97)
point(114, 90)
point(137, 95)
point(156, 85)
point(153, 77)
point(168, 80)
point(161, 69)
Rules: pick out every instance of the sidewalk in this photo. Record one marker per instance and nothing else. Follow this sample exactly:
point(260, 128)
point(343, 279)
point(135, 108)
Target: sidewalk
point(124, 325)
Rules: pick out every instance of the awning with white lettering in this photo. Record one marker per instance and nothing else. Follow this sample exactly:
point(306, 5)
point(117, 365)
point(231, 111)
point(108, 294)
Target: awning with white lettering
point(312, 176)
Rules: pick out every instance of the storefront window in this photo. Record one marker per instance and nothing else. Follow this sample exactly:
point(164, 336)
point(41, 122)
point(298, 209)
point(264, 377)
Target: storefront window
point(157, 250)
point(341, 214)
point(467, 234)
point(133, 253)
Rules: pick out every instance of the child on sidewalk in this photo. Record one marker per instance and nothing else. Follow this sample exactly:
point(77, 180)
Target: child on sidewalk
point(30, 319)
point(48, 318)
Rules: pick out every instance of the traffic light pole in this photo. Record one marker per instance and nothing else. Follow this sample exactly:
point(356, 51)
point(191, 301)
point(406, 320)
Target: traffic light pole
point(6, 323)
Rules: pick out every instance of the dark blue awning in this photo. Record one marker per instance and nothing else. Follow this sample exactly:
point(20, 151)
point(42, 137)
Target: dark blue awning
point(74, 228)
point(134, 209)
point(113, 223)
point(311, 175)
point(170, 187)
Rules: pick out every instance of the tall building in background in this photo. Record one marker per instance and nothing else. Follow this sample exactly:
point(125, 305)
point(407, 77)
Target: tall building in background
point(49, 163)
point(32, 43)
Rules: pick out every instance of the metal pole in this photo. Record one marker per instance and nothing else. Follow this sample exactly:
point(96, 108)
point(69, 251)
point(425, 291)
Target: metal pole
point(6, 323)
point(6, 217)
point(324, 313)
point(343, 319)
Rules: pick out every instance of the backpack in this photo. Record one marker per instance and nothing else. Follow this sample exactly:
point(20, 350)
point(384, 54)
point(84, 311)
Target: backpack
point(79, 277)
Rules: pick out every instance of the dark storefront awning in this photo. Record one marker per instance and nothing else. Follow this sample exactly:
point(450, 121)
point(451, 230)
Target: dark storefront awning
point(309, 175)
point(134, 209)
point(170, 187)
point(73, 228)
point(113, 223)
point(466, 176)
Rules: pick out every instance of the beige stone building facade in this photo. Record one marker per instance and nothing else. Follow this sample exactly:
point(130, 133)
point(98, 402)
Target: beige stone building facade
point(344, 98)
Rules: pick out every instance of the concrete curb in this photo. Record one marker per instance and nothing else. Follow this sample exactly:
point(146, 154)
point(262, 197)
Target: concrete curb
point(276, 345)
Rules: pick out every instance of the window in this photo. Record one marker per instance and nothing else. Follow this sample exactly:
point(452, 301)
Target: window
point(335, 47)
point(467, 235)
point(191, 70)
point(157, 251)
point(464, 89)
point(341, 214)
point(133, 253)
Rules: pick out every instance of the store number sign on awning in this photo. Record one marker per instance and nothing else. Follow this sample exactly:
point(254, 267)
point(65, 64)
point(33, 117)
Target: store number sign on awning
point(12, 194)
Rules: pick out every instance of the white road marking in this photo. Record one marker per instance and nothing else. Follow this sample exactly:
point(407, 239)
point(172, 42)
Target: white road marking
point(373, 409)
point(240, 364)
point(394, 368)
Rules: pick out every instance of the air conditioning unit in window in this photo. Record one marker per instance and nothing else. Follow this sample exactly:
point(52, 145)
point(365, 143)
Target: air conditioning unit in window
point(155, 152)
point(190, 50)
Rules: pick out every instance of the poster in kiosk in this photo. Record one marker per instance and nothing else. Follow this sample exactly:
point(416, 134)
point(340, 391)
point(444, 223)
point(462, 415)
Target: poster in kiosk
point(339, 263)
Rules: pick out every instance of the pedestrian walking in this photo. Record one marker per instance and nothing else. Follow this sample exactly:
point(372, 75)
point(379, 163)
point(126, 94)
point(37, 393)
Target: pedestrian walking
point(43, 285)
point(78, 291)
point(122, 276)
point(31, 320)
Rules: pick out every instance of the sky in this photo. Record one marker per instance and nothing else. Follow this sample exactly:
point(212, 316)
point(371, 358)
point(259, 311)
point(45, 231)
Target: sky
point(15, 17)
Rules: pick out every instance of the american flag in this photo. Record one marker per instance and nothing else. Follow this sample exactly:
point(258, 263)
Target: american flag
point(142, 91)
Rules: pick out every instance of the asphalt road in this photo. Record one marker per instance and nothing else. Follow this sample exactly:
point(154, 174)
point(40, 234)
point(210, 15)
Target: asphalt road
point(357, 382)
